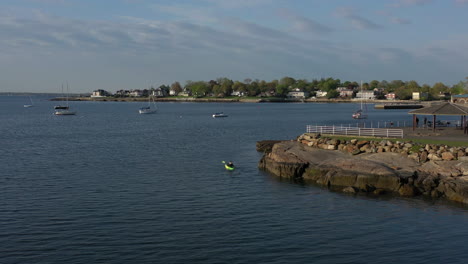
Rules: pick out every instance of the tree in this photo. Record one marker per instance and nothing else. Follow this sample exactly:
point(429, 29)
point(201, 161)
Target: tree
point(396, 84)
point(288, 81)
point(301, 84)
point(176, 87)
point(384, 84)
point(374, 84)
point(403, 93)
point(218, 92)
point(164, 88)
point(413, 86)
point(365, 86)
point(459, 88)
point(282, 90)
point(253, 89)
point(198, 89)
point(333, 94)
point(226, 85)
point(239, 87)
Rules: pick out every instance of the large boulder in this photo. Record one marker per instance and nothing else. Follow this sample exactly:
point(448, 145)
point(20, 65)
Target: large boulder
point(368, 172)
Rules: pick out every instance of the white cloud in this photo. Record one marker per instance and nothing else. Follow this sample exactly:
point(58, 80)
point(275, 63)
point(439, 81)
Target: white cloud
point(356, 20)
point(302, 24)
point(401, 21)
point(237, 4)
point(403, 3)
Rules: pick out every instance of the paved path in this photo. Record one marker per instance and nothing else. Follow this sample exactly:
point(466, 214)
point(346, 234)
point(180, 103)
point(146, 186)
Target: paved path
point(441, 133)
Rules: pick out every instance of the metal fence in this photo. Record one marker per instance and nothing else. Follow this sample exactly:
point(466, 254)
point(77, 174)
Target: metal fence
point(356, 131)
point(377, 124)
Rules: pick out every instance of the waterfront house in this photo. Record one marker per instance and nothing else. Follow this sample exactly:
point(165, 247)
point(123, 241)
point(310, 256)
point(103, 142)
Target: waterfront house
point(321, 93)
point(420, 96)
point(159, 92)
point(297, 94)
point(390, 96)
point(459, 99)
point(100, 93)
point(345, 92)
point(136, 93)
point(185, 92)
point(365, 95)
point(237, 93)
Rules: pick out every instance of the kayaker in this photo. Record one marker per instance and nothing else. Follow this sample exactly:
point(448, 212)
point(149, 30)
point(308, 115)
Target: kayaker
point(230, 164)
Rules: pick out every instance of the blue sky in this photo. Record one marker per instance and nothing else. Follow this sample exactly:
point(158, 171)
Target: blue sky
point(133, 44)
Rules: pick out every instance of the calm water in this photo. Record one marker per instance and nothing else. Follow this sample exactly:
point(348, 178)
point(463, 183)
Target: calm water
point(112, 186)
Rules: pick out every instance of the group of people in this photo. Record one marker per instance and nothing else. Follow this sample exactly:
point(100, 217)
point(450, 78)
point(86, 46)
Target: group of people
point(425, 122)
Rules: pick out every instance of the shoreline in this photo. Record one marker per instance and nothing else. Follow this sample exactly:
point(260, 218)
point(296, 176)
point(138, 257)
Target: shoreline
point(227, 100)
point(376, 167)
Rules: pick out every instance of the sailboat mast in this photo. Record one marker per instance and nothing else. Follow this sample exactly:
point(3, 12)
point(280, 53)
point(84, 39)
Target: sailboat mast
point(362, 96)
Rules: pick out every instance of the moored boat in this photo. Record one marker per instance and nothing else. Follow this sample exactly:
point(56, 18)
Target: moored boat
point(220, 114)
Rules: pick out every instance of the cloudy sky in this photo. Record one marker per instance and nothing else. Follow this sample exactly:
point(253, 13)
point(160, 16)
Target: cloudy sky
point(130, 44)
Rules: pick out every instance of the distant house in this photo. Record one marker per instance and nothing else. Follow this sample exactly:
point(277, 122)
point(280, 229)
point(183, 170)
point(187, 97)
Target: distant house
point(237, 93)
point(321, 93)
point(390, 96)
point(345, 92)
point(159, 92)
point(459, 99)
point(379, 91)
point(366, 95)
point(172, 92)
point(136, 93)
point(444, 95)
point(185, 92)
point(268, 93)
point(420, 96)
point(298, 94)
point(100, 93)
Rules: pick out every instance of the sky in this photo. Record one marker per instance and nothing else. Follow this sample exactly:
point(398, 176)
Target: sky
point(136, 44)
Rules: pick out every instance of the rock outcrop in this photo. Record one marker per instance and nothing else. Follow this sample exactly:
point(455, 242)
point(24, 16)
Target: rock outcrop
point(361, 166)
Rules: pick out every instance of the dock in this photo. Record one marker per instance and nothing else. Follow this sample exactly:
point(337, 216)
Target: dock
point(398, 106)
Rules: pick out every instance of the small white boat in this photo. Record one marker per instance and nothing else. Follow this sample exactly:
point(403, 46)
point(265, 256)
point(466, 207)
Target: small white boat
point(57, 107)
point(147, 110)
point(29, 105)
point(150, 109)
point(220, 114)
point(63, 109)
point(64, 112)
point(361, 112)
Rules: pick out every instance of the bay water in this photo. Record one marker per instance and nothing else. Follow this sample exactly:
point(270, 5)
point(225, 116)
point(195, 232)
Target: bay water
point(109, 185)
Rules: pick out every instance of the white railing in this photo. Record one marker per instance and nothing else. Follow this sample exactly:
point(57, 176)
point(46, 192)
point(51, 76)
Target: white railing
point(356, 131)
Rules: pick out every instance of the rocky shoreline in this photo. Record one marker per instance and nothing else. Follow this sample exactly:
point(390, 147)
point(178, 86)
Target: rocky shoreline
point(371, 167)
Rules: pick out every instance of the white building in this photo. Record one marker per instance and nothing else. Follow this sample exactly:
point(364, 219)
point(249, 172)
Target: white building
point(365, 95)
point(297, 93)
point(321, 93)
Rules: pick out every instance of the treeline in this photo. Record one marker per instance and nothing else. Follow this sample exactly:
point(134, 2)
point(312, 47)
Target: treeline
point(222, 87)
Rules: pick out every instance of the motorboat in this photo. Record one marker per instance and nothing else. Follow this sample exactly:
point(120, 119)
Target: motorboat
point(64, 112)
point(220, 114)
point(147, 110)
point(61, 107)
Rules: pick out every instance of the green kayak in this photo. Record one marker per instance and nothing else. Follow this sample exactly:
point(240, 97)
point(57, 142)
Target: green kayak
point(228, 168)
